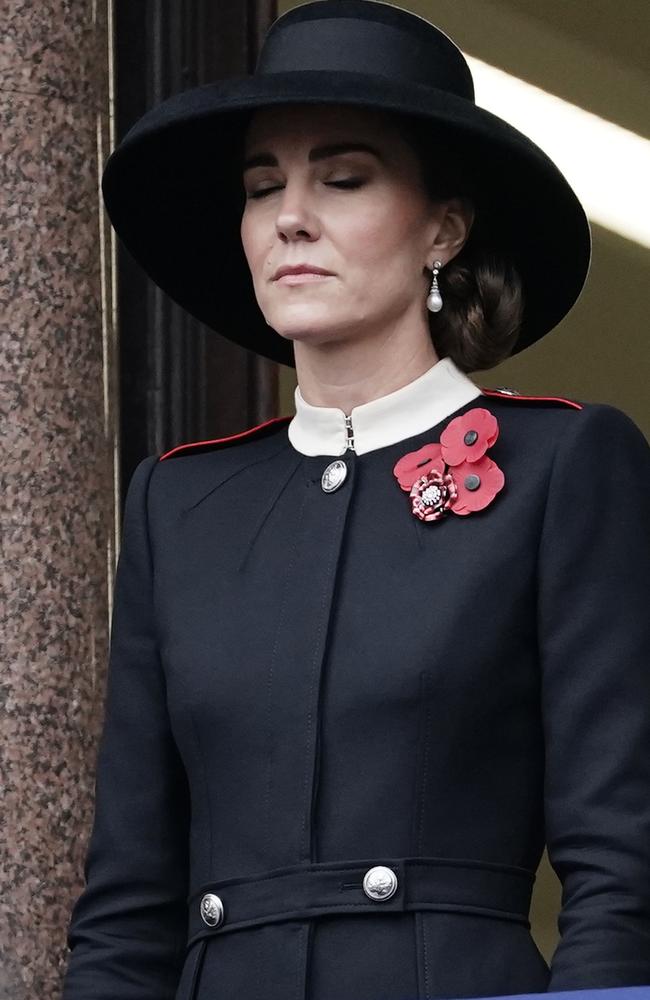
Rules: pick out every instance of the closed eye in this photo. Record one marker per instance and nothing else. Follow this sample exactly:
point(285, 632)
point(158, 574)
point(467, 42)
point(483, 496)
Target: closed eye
point(351, 182)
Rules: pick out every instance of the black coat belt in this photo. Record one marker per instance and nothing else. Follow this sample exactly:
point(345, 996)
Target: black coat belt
point(384, 885)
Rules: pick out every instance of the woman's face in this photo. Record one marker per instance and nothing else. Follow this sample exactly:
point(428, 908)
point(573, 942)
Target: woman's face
point(363, 216)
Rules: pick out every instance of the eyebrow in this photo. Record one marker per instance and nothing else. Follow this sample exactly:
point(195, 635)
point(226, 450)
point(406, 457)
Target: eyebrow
point(317, 153)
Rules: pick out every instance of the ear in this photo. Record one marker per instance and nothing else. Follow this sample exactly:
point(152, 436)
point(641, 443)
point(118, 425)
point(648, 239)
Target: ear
point(454, 229)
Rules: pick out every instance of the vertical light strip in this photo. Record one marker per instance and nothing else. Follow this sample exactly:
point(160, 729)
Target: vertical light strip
point(105, 126)
point(114, 325)
point(607, 166)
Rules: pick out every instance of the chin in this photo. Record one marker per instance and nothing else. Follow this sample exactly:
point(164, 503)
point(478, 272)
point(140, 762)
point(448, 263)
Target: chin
point(305, 329)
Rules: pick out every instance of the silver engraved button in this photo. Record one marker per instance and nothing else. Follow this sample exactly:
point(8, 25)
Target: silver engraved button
point(380, 882)
point(333, 476)
point(211, 910)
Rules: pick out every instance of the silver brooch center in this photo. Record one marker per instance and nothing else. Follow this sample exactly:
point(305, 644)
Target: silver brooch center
point(432, 495)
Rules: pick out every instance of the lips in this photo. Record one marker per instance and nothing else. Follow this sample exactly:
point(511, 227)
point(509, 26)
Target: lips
point(299, 269)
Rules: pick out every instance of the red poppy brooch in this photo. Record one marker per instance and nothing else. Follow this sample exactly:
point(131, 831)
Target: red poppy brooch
point(453, 474)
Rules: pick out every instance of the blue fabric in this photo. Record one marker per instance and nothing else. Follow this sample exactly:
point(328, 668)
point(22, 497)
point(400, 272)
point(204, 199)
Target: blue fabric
point(622, 993)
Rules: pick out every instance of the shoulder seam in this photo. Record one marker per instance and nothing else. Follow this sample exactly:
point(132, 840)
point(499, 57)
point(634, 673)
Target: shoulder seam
point(518, 395)
point(230, 437)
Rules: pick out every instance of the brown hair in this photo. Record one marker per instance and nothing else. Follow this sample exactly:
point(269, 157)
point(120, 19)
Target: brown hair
point(481, 287)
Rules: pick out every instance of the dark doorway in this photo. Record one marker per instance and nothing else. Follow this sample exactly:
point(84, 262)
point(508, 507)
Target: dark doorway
point(179, 380)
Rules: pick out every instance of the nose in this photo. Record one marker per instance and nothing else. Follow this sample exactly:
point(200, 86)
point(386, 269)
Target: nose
point(295, 216)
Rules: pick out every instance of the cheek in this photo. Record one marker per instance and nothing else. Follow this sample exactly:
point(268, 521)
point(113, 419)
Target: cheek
point(253, 243)
point(382, 231)
point(246, 238)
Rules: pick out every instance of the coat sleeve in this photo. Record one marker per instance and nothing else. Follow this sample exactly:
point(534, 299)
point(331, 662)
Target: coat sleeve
point(128, 927)
point(594, 636)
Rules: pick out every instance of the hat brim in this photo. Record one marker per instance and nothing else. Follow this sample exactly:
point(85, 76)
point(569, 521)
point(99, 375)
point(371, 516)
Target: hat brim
point(174, 194)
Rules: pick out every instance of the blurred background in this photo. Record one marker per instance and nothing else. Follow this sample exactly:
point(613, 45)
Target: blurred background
point(100, 369)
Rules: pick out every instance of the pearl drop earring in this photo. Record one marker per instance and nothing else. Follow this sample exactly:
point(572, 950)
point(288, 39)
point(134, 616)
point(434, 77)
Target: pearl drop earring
point(434, 300)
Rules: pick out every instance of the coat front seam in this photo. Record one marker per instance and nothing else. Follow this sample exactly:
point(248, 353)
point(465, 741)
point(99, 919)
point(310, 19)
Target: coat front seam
point(307, 811)
point(301, 970)
point(268, 798)
point(427, 968)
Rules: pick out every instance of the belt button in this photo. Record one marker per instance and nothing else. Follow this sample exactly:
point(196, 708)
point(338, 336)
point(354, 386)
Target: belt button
point(211, 910)
point(380, 883)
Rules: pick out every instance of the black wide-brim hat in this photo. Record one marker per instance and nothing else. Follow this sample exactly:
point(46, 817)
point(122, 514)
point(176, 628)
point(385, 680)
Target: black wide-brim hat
point(174, 191)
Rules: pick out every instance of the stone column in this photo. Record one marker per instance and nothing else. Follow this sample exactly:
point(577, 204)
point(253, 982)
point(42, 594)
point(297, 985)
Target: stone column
point(57, 419)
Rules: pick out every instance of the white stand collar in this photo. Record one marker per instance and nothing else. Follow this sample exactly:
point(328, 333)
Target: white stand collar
point(410, 410)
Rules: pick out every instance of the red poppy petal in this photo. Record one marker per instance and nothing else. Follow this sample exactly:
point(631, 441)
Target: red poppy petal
point(416, 463)
point(493, 435)
point(477, 484)
point(456, 449)
point(451, 443)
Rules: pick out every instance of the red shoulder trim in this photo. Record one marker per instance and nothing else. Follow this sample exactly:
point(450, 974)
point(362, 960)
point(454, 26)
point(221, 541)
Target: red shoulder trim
point(261, 430)
point(504, 393)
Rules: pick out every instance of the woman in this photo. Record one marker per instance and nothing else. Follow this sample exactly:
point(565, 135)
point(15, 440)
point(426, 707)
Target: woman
point(368, 659)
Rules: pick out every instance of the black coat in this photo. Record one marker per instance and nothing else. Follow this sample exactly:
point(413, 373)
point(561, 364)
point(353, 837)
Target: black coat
point(306, 685)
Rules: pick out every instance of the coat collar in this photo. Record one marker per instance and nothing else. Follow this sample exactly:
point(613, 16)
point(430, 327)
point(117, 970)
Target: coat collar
point(410, 410)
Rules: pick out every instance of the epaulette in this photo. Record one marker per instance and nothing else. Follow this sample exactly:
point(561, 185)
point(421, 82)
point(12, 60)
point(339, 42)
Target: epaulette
point(196, 447)
point(504, 392)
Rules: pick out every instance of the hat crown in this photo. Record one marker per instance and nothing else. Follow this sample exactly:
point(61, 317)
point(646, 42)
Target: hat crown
point(365, 36)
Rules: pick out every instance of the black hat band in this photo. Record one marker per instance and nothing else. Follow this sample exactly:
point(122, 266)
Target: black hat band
point(349, 45)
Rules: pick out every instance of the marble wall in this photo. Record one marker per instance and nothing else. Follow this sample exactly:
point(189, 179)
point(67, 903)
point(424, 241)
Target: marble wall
point(57, 439)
